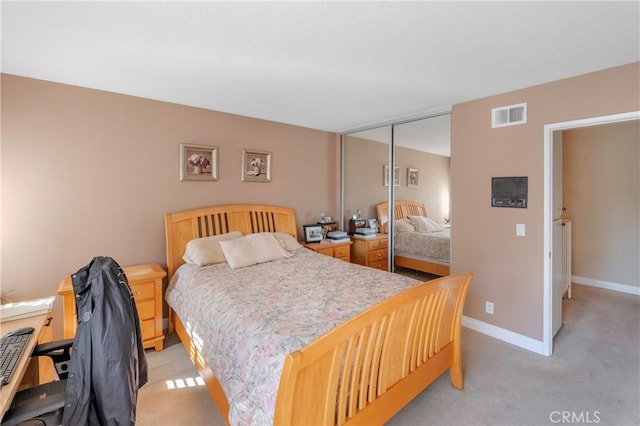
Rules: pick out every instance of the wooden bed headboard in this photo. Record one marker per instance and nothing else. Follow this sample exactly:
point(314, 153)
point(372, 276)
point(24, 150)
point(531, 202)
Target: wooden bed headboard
point(182, 227)
point(401, 209)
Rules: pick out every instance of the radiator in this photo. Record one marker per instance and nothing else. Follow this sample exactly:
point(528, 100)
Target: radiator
point(566, 258)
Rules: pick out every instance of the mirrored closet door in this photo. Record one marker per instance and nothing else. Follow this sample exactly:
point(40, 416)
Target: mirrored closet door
point(368, 178)
point(422, 152)
point(416, 155)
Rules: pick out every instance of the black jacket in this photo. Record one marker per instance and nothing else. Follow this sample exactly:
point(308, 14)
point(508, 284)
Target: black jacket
point(108, 363)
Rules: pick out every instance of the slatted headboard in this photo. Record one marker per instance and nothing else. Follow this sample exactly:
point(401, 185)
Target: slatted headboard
point(401, 209)
point(182, 227)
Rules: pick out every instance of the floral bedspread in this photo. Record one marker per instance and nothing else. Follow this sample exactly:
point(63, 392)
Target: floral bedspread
point(249, 319)
point(435, 245)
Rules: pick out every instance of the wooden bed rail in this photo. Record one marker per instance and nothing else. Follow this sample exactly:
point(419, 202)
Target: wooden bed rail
point(365, 370)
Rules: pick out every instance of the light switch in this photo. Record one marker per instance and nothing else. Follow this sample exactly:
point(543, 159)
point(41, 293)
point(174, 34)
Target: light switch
point(520, 229)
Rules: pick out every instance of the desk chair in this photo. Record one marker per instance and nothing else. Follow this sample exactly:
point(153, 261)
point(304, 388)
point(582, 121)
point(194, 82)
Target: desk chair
point(89, 391)
point(43, 404)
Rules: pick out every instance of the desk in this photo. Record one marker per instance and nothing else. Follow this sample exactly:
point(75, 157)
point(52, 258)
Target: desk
point(41, 325)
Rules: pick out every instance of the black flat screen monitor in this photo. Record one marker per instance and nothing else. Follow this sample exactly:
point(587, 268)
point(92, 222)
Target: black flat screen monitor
point(509, 192)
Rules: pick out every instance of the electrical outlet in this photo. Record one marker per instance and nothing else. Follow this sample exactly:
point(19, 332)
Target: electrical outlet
point(488, 307)
point(520, 230)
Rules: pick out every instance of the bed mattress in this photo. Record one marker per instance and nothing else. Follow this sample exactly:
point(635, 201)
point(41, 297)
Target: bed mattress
point(419, 245)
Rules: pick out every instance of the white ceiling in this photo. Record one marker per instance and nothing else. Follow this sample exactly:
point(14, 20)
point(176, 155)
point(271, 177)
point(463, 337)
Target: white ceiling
point(431, 134)
point(333, 66)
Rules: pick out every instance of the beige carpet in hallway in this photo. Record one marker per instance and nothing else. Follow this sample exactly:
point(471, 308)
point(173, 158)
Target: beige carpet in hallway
point(593, 375)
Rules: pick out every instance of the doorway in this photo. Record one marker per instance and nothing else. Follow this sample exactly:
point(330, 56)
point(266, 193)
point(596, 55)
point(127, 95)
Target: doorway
point(549, 266)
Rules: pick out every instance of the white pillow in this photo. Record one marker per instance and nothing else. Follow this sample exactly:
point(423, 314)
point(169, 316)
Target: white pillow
point(424, 224)
point(403, 225)
point(206, 250)
point(286, 240)
point(253, 249)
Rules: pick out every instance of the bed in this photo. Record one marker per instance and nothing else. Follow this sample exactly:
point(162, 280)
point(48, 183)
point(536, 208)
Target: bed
point(426, 252)
point(360, 370)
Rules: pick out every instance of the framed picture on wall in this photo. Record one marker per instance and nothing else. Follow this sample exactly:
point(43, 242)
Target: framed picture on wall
point(387, 177)
point(198, 162)
point(412, 178)
point(256, 166)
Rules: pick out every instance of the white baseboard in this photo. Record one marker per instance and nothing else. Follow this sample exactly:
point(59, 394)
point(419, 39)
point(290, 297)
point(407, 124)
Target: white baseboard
point(623, 288)
point(503, 334)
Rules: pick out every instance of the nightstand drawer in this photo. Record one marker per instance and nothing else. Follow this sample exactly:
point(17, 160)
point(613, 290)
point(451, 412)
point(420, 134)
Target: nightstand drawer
point(147, 328)
point(377, 255)
point(373, 245)
point(341, 252)
point(338, 250)
point(328, 251)
point(146, 309)
point(379, 265)
point(143, 291)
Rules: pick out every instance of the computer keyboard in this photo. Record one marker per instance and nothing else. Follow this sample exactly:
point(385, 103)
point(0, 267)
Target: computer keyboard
point(10, 351)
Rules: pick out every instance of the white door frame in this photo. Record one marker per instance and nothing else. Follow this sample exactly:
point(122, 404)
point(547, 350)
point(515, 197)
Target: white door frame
point(547, 330)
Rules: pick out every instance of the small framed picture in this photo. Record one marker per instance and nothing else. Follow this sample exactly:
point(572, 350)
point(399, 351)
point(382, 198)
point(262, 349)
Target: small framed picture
point(256, 166)
point(412, 178)
point(372, 223)
point(396, 175)
point(198, 162)
point(312, 233)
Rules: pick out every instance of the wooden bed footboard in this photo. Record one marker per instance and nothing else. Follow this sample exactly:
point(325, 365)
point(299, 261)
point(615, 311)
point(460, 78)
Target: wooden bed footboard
point(365, 370)
point(421, 265)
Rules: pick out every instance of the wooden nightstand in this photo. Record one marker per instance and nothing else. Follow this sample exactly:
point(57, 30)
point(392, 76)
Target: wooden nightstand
point(370, 251)
point(337, 250)
point(146, 284)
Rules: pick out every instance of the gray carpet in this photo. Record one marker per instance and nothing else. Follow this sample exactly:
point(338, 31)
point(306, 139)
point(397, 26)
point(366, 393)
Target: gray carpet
point(593, 376)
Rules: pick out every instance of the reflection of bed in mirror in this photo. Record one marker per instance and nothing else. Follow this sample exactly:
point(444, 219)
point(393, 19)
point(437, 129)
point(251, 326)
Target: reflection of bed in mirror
point(422, 251)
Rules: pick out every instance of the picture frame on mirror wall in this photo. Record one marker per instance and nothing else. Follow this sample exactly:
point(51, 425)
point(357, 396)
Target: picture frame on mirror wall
point(386, 177)
point(312, 233)
point(413, 178)
point(198, 162)
point(256, 166)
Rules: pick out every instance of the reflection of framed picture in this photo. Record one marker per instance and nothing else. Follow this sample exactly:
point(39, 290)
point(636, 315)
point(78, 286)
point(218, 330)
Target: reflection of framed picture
point(198, 162)
point(256, 166)
point(396, 175)
point(312, 233)
point(412, 178)
point(372, 223)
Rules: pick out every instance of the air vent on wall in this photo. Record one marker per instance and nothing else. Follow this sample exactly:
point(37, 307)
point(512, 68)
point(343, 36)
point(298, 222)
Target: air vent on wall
point(509, 115)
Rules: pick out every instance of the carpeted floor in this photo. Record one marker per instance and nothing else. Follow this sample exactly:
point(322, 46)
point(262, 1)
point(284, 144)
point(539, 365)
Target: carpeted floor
point(593, 377)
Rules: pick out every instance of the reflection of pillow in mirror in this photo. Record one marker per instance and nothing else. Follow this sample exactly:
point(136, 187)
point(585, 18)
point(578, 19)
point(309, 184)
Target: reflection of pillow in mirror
point(403, 225)
point(424, 224)
point(206, 250)
point(253, 249)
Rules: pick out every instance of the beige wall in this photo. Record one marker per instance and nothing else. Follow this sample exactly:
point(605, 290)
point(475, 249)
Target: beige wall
point(364, 161)
point(508, 269)
point(434, 174)
point(88, 173)
point(602, 196)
